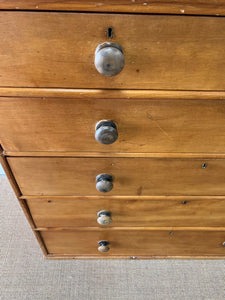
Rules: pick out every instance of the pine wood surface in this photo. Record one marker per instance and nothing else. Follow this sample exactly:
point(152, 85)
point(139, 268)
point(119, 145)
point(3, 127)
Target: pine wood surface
point(131, 176)
point(201, 7)
point(168, 104)
point(177, 155)
point(132, 242)
point(109, 94)
point(144, 125)
point(72, 256)
point(82, 212)
point(161, 52)
point(22, 202)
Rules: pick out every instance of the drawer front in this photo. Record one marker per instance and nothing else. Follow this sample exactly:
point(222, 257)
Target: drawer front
point(136, 242)
point(161, 52)
point(143, 125)
point(87, 212)
point(130, 176)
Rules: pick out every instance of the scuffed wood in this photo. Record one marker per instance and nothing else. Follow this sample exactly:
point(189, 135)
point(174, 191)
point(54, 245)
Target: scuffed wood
point(165, 52)
point(110, 94)
point(132, 176)
point(65, 126)
point(128, 212)
point(199, 7)
point(22, 202)
point(133, 242)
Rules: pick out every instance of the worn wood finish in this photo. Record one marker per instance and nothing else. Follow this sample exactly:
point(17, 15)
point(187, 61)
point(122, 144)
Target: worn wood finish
point(144, 125)
point(132, 176)
point(132, 242)
point(161, 52)
point(22, 202)
point(9, 173)
point(115, 154)
point(109, 94)
point(168, 164)
point(200, 7)
point(67, 256)
point(66, 229)
point(99, 197)
point(80, 212)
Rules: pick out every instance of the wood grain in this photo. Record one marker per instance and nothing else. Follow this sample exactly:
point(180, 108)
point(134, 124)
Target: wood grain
point(161, 52)
point(203, 7)
point(51, 97)
point(80, 212)
point(132, 176)
point(72, 256)
point(144, 125)
point(115, 154)
point(22, 202)
point(109, 94)
point(100, 229)
point(9, 174)
point(131, 242)
point(99, 197)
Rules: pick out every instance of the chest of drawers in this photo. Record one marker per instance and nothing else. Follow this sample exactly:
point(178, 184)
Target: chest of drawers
point(112, 120)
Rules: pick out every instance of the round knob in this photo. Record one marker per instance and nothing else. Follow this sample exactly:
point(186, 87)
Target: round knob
point(104, 183)
point(104, 217)
point(109, 59)
point(106, 132)
point(103, 246)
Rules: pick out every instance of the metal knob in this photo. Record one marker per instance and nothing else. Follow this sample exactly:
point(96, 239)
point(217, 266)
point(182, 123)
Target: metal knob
point(104, 217)
point(103, 246)
point(106, 132)
point(109, 59)
point(104, 183)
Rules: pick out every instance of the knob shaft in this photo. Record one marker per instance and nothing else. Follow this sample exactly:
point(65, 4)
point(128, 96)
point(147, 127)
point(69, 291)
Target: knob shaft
point(104, 183)
point(103, 246)
point(109, 59)
point(104, 217)
point(106, 132)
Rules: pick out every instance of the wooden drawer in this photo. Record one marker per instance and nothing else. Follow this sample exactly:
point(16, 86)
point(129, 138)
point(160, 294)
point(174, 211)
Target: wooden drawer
point(131, 176)
point(136, 242)
point(50, 49)
point(82, 212)
point(143, 125)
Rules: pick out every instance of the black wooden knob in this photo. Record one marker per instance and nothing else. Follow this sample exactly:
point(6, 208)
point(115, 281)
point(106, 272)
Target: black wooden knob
point(104, 183)
point(106, 132)
point(103, 246)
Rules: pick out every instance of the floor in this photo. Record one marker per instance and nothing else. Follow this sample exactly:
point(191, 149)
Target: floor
point(25, 274)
